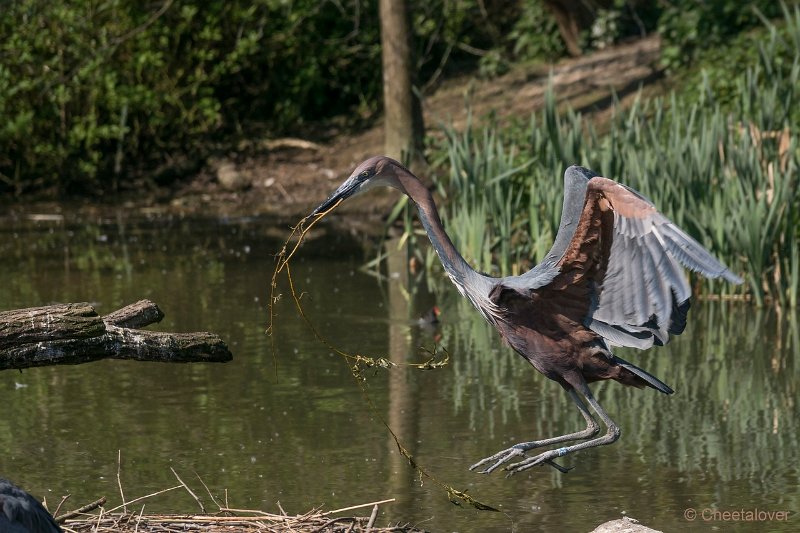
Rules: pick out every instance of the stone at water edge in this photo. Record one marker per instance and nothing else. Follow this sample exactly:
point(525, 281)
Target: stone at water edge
point(623, 525)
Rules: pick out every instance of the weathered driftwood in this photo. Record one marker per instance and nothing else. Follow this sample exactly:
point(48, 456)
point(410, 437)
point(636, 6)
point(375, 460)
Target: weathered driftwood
point(74, 333)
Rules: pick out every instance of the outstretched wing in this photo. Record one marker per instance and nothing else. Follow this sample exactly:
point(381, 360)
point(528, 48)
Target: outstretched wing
point(620, 272)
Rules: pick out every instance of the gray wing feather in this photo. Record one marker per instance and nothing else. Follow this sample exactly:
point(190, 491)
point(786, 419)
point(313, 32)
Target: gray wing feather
point(644, 295)
point(692, 255)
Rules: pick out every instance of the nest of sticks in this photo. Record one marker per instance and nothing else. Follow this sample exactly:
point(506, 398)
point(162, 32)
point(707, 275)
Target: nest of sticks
point(313, 521)
point(97, 520)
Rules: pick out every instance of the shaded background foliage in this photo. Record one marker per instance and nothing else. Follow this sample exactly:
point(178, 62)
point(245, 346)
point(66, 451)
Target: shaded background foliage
point(93, 92)
point(690, 28)
point(98, 90)
point(96, 93)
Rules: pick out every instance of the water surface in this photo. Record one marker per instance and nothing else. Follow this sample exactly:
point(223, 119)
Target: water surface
point(296, 429)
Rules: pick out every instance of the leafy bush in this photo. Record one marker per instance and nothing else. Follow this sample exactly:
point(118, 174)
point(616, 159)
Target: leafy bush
point(690, 27)
point(716, 77)
point(92, 93)
point(535, 35)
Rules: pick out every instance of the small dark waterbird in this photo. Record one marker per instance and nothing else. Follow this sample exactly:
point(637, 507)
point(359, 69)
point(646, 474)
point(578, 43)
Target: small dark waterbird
point(612, 278)
point(22, 513)
point(430, 318)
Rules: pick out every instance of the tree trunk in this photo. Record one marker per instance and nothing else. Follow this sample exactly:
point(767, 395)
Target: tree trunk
point(573, 17)
point(403, 126)
point(74, 333)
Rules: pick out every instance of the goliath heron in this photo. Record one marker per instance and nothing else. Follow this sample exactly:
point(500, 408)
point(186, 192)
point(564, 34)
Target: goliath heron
point(612, 278)
point(22, 513)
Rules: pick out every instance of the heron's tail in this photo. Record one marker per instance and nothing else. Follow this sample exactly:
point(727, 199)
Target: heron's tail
point(649, 379)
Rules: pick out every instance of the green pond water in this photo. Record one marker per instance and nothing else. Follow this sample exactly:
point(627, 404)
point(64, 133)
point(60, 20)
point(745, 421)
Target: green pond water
point(295, 430)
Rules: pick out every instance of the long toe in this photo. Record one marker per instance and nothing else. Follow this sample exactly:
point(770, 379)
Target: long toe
point(499, 459)
point(530, 462)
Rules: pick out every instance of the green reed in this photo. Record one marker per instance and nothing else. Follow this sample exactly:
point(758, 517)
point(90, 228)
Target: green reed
point(727, 175)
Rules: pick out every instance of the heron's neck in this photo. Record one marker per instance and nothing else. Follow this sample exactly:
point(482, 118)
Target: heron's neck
point(455, 265)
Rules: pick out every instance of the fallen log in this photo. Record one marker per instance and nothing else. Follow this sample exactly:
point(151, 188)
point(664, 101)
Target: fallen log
point(66, 334)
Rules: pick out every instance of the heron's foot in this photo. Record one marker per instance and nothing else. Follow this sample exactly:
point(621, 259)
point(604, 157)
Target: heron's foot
point(518, 450)
point(497, 460)
point(543, 458)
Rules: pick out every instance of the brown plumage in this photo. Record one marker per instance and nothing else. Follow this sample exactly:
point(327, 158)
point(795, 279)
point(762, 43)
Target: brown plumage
point(547, 323)
point(612, 277)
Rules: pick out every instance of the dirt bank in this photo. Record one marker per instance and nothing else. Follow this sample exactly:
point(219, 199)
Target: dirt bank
point(287, 177)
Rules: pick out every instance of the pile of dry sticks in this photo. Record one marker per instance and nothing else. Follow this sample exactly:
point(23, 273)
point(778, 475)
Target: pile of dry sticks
point(95, 518)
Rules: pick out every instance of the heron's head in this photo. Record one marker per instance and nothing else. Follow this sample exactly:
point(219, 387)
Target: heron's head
point(375, 171)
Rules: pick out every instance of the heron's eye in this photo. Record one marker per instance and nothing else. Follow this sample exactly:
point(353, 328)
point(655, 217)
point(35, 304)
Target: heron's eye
point(365, 174)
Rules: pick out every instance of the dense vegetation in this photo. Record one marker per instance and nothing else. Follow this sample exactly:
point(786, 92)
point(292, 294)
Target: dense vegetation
point(93, 94)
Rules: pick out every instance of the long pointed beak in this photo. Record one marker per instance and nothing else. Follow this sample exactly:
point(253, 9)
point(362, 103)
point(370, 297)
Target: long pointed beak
point(345, 190)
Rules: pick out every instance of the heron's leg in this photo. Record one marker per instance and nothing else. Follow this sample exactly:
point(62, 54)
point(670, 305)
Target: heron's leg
point(611, 435)
point(496, 460)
